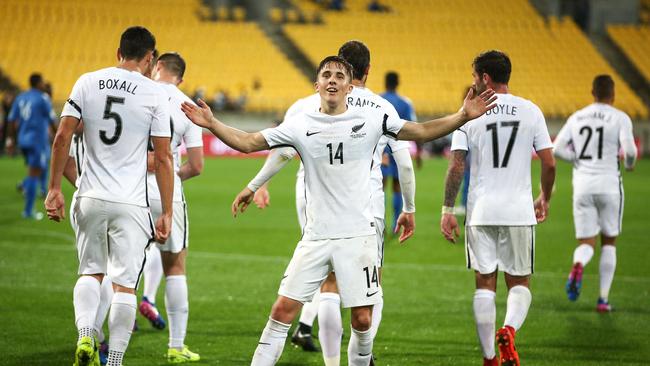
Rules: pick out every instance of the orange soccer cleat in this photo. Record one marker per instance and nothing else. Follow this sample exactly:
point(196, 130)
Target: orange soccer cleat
point(507, 350)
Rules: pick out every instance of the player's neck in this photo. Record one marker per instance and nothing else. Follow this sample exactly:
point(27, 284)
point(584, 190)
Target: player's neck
point(333, 110)
point(131, 65)
point(358, 83)
point(500, 88)
point(604, 101)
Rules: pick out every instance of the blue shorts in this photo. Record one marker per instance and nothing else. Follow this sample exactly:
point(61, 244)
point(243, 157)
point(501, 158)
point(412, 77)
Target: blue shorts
point(391, 169)
point(36, 158)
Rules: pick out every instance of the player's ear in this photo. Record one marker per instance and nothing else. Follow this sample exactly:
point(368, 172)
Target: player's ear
point(316, 86)
point(350, 87)
point(119, 54)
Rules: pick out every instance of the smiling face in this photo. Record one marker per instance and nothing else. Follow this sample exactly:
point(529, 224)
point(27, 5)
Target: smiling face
point(333, 85)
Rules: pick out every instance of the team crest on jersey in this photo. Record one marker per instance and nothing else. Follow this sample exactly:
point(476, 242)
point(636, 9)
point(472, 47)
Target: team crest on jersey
point(355, 134)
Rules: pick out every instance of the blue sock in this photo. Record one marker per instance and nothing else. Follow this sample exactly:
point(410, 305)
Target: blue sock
point(42, 180)
point(397, 207)
point(30, 185)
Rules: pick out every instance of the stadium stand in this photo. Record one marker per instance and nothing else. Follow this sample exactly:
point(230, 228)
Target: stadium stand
point(63, 39)
point(431, 46)
point(634, 41)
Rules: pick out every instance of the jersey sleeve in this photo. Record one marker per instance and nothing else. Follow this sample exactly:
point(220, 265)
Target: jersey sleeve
point(626, 140)
point(391, 124)
point(282, 135)
point(74, 106)
point(542, 140)
point(193, 136)
point(459, 140)
point(562, 147)
point(396, 145)
point(161, 124)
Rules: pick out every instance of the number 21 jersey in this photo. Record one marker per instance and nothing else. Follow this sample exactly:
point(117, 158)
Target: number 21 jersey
point(120, 110)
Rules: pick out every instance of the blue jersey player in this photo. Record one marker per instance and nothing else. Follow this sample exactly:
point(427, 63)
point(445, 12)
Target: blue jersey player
point(32, 113)
point(405, 111)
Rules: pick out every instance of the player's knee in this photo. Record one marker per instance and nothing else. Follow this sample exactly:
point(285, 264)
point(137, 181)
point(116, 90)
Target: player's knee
point(285, 309)
point(120, 288)
point(361, 318)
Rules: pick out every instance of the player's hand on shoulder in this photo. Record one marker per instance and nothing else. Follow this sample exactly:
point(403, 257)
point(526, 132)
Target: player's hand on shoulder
point(262, 198)
point(242, 201)
point(541, 208)
point(55, 205)
point(200, 114)
point(163, 228)
point(475, 106)
point(449, 227)
point(405, 224)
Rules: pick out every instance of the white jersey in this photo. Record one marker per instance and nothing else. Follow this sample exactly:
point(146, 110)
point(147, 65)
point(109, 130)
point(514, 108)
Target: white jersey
point(120, 110)
point(359, 98)
point(183, 130)
point(597, 132)
point(338, 156)
point(77, 152)
point(500, 144)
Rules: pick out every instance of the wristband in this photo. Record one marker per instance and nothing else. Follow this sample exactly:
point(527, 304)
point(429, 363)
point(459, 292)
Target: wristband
point(447, 210)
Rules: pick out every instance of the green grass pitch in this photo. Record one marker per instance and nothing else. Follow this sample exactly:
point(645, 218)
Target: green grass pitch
point(235, 265)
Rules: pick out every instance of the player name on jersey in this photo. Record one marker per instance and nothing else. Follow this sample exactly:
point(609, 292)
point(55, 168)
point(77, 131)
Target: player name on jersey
point(506, 109)
point(355, 101)
point(117, 84)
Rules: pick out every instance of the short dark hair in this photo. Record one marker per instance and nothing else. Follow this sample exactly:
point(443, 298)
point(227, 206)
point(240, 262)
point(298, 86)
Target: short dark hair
point(337, 60)
point(392, 80)
point(35, 79)
point(358, 55)
point(173, 63)
point(135, 42)
point(494, 63)
point(603, 87)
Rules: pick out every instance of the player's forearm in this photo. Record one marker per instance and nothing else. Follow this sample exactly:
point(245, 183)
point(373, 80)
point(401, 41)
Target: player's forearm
point(629, 153)
point(431, 130)
point(273, 164)
point(193, 166)
point(548, 179)
point(60, 156)
point(406, 178)
point(237, 139)
point(563, 151)
point(164, 177)
point(70, 171)
point(454, 177)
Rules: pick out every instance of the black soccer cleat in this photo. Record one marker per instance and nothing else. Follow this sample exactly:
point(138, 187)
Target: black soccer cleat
point(302, 338)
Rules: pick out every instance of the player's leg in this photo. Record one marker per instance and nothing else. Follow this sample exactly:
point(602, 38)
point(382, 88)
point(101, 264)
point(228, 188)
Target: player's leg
point(361, 339)
point(302, 337)
point(481, 256)
point(610, 207)
point(378, 308)
point(35, 161)
point(105, 299)
point(130, 231)
point(42, 179)
point(152, 274)
point(307, 269)
point(397, 193)
point(585, 217)
point(330, 323)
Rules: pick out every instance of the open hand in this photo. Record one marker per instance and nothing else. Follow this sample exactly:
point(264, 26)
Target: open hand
point(200, 115)
point(475, 105)
point(55, 205)
point(242, 201)
point(262, 198)
point(406, 222)
point(449, 227)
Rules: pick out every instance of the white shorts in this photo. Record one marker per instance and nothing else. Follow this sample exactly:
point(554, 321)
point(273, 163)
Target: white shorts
point(112, 238)
point(510, 249)
point(380, 225)
point(354, 260)
point(73, 202)
point(598, 213)
point(178, 240)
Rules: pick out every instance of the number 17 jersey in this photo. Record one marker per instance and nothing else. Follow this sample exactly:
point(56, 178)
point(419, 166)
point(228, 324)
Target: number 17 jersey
point(500, 144)
point(120, 110)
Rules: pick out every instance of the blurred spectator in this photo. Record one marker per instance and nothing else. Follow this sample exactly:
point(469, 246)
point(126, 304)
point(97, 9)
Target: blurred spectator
point(376, 6)
point(7, 101)
point(219, 101)
point(199, 93)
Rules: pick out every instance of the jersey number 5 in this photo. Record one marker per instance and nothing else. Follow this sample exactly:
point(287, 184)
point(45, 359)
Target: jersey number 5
point(495, 142)
point(108, 114)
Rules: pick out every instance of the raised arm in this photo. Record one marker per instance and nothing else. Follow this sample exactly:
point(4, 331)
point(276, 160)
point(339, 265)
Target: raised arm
point(239, 140)
point(448, 223)
point(55, 202)
point(473, 107)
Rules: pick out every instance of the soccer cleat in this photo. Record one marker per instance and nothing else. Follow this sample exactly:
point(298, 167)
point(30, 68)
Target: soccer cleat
point(86, 353)
point(185, 355)
point(507, 351)
point(103, 353)
point(574, 283)
point(603, 306)
point(490, 362)
point(149, 311)
point(303, 339)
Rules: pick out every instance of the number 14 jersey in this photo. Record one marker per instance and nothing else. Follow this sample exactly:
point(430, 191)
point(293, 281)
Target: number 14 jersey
point(120, 110)
point(500, 144)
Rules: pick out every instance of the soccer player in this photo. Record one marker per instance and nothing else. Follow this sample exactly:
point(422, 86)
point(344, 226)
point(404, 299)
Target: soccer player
point(591, 139)
point(336, 145)
point(169, 72)
point(329, 314)
point(389, 168)
point(32, 112)
point(501, 214)
point(121, 110)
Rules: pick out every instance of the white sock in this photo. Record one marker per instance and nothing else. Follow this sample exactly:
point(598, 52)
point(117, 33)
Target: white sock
point(152, 273)
point(607, 269)
point(583, 254)
point(120, 321)
point(310, 310)
point(376, 317)
point(177, 306)
point(360, 348)
point(519, 298)
point(106, 296)
point(115, 358)
point(330, 327)
point(269, 348)
point(485, 314)
point(86, 301)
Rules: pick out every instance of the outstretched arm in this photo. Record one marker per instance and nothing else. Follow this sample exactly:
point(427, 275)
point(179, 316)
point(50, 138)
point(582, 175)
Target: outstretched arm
point(239, 140)
point(448, 223)
point(473, 107)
